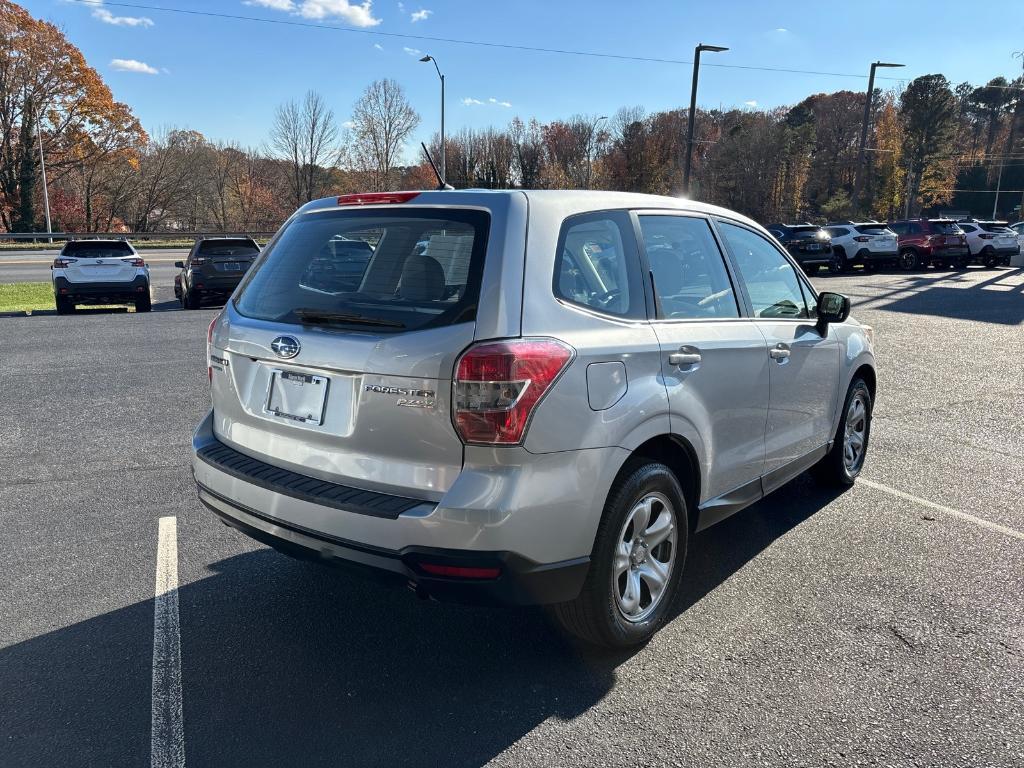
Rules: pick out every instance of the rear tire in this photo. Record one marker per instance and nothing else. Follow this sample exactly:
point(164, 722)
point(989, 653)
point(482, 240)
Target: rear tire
point(629, 555)
point(144, 304)
point(65, 306)
point(962, 262)
point(838, 264)
point(811, 269)
point(909, 260)
point(190, 300)
point(844, 462)
point(989, 259)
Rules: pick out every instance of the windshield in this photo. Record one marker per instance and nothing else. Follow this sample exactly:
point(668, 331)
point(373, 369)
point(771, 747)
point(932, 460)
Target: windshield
point(374, 268)
point(97, 250)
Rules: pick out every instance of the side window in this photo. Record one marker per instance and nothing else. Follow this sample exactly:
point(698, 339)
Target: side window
point(837, 231)
point(597, 264)
point(770, 279)
point(690, 277)
point(914, 229)
point(899, 229)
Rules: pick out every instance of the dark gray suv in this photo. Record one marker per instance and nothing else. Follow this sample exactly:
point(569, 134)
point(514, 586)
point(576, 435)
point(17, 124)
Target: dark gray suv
point(530, 397)
point(214, 268)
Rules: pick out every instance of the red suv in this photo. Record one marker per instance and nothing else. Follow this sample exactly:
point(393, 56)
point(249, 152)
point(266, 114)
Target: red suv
point(925, 242)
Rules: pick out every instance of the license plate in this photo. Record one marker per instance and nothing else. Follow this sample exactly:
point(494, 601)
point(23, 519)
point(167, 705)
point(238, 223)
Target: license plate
point(814, 247)
point(953, 240)
point(231, 266)
point(297, 396)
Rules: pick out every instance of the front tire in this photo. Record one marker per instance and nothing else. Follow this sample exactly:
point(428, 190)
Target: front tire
point(844, 462)
point(637, 562)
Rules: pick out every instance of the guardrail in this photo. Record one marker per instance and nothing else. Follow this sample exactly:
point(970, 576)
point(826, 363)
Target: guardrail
point(168, 235)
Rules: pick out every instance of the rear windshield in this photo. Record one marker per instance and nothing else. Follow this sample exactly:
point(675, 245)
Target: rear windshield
point(374, 268)
point(873, 229)
point(97, 250)
point(945, 227)
point(228, 248)
point(994, 227)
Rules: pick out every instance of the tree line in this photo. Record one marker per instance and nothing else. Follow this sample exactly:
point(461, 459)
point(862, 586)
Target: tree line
point(932, 145)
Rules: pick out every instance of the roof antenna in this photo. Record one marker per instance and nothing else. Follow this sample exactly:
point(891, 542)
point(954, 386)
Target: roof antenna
point(441, 183)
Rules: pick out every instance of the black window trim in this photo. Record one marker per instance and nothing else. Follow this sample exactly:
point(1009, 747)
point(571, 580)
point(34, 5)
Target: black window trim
point(654, 305)
point(805, 286)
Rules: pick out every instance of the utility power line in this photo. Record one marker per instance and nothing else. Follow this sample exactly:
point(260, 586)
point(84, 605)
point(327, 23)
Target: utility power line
point(480, 43)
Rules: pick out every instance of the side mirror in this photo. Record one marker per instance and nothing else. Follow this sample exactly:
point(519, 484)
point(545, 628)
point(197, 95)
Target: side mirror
point(832, 308)
point(179, 265)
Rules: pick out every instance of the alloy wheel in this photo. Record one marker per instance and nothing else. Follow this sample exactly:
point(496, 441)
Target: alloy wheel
point(856, 433)
point(644, 557)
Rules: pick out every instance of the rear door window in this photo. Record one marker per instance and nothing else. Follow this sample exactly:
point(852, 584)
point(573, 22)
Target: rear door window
point(770, 280)
point(690, 277)
point(597, 265)
point(385, 270)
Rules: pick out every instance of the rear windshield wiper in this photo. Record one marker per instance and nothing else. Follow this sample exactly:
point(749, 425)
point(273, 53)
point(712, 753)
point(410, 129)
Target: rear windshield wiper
point(324, 317)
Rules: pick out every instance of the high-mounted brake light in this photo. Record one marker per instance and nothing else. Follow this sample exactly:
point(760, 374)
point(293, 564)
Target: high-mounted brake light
point(376, 198)
point(499, 384)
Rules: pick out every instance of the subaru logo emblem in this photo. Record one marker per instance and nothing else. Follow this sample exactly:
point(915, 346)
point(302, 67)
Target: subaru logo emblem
point(285, 346)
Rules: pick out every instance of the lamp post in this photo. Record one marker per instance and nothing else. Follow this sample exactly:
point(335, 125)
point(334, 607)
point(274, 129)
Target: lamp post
point(42, 168)
point(693, 110)
point(858, 181)
point(444, 166)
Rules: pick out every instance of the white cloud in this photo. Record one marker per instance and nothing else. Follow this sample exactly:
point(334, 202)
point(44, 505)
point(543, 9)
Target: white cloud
point(471, 102)
point(401, 7)
point(348, 124)
point(277, 5)
point(131, 65)
point(120, 21)
point(751, 103)
point(781, 29)
point(412, 51)
point(420, 15)
point(378, 46)
point(356, 14)
point(499, 103)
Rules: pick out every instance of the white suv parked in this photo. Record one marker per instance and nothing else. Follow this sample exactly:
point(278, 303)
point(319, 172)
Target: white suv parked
point(99, 272)
point(870, 243)
point(990, 242)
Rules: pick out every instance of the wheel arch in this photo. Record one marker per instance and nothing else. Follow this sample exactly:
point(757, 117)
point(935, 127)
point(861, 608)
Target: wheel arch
point(679, 455)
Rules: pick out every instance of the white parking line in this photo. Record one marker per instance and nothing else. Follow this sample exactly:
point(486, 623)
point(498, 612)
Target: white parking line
point(945, 510)
point(167, 741)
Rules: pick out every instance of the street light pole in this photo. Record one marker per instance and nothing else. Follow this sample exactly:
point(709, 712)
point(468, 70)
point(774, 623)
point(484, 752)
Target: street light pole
point(590, 153)
point(42, 168)
point(444, 154)
point(693, 111)
point(858, 181)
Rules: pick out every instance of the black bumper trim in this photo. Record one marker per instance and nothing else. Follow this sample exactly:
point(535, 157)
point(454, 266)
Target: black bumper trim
point(521, 581)
point(138, 286)
point(306, 488)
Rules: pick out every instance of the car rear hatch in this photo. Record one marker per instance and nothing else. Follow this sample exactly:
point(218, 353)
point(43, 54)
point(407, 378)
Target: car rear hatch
point(882, 238)
point(338, 366)
point(99, 262)
point(226, 259)
point(806, 239)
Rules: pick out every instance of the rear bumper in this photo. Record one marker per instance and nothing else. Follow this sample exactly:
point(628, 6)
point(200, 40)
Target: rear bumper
point(868, 256)
point(534, 517)
point(519, 581)
point(216, 283)
point(113, 290)
point(816, 257)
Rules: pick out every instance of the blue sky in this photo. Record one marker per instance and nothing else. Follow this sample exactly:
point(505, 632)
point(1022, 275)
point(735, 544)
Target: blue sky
point(224, 77)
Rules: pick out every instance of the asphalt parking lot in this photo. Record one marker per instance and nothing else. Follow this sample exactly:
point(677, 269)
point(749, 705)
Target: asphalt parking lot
point(880, 626)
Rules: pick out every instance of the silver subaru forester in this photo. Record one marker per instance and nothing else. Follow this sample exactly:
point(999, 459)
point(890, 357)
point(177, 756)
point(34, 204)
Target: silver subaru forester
point(528, 397)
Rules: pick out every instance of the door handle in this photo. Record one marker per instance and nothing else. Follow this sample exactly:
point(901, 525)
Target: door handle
point(685, 356)
point(779, 352)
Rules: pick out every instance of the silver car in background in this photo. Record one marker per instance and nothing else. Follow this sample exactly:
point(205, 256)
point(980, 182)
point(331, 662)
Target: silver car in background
point(528, 397)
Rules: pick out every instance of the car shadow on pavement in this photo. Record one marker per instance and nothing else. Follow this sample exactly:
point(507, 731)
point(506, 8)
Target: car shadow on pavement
point(997, 299)
point(285, 662)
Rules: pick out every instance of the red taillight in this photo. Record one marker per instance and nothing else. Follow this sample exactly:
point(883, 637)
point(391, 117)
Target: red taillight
point(862, 238)
point(136, 262)
point(987, 237)
point(459, 571)
point(376, 198)
point(60, 262)
point(498, 385)
point(209, 347)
